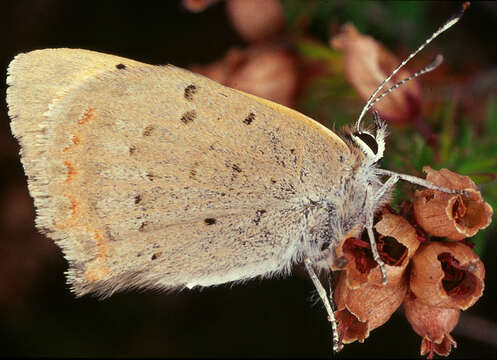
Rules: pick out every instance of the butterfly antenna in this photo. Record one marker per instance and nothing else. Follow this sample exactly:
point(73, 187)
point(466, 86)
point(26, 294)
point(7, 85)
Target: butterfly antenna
point(449, 23)
point(430, 67)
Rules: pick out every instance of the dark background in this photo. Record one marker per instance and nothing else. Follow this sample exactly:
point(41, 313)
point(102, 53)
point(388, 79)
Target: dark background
point(263, 318)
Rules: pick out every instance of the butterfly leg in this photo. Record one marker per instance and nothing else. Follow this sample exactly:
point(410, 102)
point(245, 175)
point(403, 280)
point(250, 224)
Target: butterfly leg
point(421, 182)
point(371, 202)
point(326, 301)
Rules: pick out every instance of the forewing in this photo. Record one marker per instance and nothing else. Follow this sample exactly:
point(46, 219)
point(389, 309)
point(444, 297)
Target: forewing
point(153, 176)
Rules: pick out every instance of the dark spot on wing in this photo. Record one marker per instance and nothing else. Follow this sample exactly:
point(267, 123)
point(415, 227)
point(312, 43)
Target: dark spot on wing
point(236, 170)
point(132, 149)
point(210, 221)
point(258, 215)
point(120, 66)
point(292, 151)
point(156, 255)
point(193, 170)
point(138, 199)
point(143, 226)
point(151, 177)
point(190, 90)
point(148, 130)
point(248, 120)
point(341, 158)
point(189, 116)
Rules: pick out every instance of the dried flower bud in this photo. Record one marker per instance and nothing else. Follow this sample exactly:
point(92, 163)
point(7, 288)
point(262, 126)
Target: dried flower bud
point(396, 241)
point(443, 349)
point(197, 6)
point(265, 71)
point(223, 69)
point(367, 64)
point(451, 215)
point(255, 19)
point(361, 310)
point(269, 73)
point(447, 274)
point(433, 324)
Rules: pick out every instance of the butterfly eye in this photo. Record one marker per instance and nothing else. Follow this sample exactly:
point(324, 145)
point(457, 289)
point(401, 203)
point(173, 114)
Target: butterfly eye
point(369, 140)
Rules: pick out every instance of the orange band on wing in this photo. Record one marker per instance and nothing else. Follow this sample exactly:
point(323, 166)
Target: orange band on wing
point(86, 116)
point(71, 171)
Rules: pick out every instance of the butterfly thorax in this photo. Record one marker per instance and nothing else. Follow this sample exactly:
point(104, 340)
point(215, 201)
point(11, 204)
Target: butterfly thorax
point(341, 213)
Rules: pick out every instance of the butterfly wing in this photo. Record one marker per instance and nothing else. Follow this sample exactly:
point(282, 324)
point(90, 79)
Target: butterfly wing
point(151, 176)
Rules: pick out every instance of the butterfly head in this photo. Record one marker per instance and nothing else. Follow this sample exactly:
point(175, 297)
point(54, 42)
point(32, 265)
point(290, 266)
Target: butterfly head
point(370, 142)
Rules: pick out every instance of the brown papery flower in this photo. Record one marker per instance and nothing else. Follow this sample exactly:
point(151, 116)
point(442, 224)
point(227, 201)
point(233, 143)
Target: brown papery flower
point(367, 64)
point(447, 274)
point(361, 310)
point(197, 6)
point(266, 71)
point(256, 20)
point(396, 241)
point(222, 69)
point(433, 324)
point(451, 215)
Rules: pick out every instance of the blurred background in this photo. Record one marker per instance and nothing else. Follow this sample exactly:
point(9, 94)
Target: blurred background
point(293, 52)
